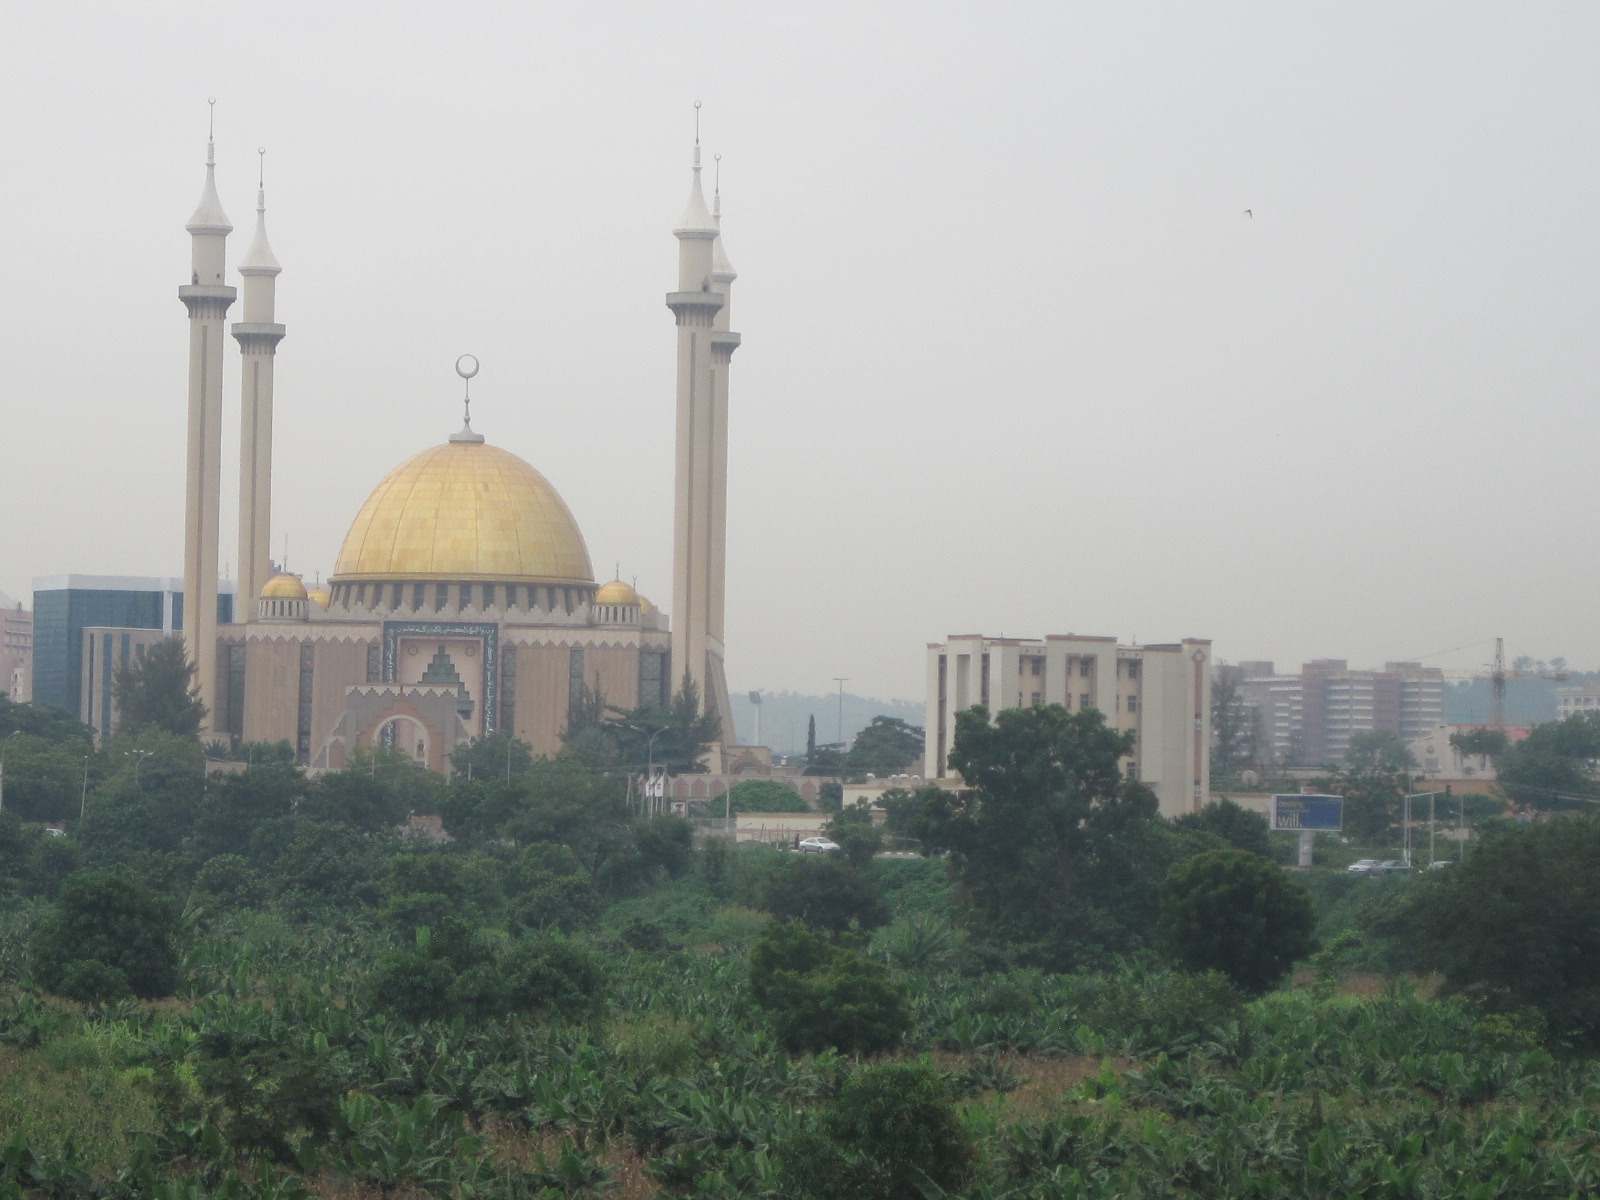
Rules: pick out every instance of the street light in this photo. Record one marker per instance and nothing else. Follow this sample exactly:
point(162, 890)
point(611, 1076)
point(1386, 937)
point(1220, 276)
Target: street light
point(4, 743)
point(649, 756)
point(138, 761)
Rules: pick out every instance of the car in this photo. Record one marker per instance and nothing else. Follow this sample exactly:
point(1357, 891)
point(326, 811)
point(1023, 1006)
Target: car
point(1365, 866)
point(1394, 866)
point(1441, 864)
point(817, 845)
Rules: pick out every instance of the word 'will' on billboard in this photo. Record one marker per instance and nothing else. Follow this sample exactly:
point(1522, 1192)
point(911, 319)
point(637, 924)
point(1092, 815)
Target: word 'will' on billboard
point(1302, 813)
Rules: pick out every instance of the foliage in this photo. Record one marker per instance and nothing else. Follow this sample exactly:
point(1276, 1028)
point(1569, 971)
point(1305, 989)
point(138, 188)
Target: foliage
point(887, 746)
point(892, 1132)
point(1059, 855)
point(494, 756)
point(159, 691)
point(1549, 769)
point(822, 994)
point(45, 721)
point(1377, 749)
point(1373, 801)
point(1517, 926)
point(1235, 726)
point(1239, 827)
point(1236, 912)
point(1487, 741)
point(823, 893)
point(761, 796)
point(857, 836)
point(108, 935)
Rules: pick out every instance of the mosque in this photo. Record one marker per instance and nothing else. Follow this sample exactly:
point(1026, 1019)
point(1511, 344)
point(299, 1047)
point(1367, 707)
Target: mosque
point(463, 601)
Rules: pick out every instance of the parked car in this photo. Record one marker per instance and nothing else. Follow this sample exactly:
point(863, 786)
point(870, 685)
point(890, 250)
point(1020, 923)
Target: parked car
point(1365, 866)
point(1394, 866)
point(817, 845)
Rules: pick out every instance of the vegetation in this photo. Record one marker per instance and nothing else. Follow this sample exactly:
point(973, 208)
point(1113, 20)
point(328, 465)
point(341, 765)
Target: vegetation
point(1067, 996)
point(159, 692)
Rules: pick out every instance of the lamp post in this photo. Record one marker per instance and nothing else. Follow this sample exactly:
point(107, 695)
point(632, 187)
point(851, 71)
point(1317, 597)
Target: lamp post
point(138, 761)
point(649, 757)
point(83, 801)
point(4, 743)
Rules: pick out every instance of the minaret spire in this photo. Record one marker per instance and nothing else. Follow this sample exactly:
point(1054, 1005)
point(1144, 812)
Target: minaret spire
point(701, 460)
point(207, 297)
point(258, 336)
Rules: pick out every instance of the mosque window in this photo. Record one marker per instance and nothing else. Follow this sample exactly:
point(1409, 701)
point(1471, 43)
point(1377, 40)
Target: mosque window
point(417, 590)
point(466, 596)
point(235, 688)
point(508, 688)
point(575, 688)
point(302, 741)
point(441, 596)
point(488, 595)
point(651, 676)
point(374, 663)
point(361, 593)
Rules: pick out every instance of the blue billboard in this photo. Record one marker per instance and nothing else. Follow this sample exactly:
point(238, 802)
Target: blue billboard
point(1299, 812)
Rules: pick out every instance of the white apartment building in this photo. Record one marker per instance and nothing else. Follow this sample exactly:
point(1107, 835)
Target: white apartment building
point(1161, 693)
point(1572, 701)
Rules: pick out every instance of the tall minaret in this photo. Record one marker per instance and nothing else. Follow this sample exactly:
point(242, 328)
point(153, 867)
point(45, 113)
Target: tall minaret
point(723, 343)
point(258, 338)
point(207, 298)
point(696, 648)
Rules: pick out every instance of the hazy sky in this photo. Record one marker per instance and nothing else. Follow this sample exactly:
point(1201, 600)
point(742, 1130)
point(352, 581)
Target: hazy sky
point(1016, 361)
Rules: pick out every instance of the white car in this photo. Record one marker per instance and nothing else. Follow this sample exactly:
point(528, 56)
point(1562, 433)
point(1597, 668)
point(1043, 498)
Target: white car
point(1365, 866)
point(817, 845)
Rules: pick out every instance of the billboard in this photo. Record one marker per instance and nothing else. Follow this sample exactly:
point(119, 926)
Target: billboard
point(1299, 812)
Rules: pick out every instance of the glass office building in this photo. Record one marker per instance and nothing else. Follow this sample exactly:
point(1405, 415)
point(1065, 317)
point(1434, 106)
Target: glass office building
point(65, 605)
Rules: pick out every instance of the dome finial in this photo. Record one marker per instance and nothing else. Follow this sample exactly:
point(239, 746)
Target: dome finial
point(211, 132)
point(259, 259)
point(696, 217)
point(466, 367)
point(208, 217)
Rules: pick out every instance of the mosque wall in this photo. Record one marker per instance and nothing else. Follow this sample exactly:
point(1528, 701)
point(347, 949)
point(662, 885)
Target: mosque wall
point(272, 681)
point(544, 680)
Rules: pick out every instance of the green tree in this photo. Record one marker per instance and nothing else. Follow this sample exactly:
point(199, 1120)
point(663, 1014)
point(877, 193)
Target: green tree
point(1235, 725)
point(41, 721)
point(1377, 749)
point(674, 737)
point(760, 796)
point(1549, 769)
point(858, 838)
point(1493, 743)
point(887, 746)
point(1059, 855)
point(1238, 913)
point(493, 756)
point(823, 995)
point(1239, 827)
point(892, 1133)
point(1373, 801)
point(824, 894)
point(111, 920)
point(1517, 925)
point(159, 691)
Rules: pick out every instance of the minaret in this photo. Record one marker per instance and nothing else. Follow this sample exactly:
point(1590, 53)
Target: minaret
point(207, 298)
point(695, 648)
point(723, 343)
point(258, 337)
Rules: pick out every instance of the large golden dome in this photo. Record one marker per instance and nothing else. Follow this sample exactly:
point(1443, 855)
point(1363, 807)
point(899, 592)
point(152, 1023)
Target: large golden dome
point(465, 510)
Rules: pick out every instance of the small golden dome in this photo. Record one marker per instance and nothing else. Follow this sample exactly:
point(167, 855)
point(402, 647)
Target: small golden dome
point(616, 592)
point(320, 594)
point(465, 510)
point(284, 586)
point(645, 607)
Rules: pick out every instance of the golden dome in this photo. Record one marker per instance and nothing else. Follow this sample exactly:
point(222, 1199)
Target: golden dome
point(645, 606)
point(616, 592)
point(320, 594)
point(284, 587)
point(465, 510)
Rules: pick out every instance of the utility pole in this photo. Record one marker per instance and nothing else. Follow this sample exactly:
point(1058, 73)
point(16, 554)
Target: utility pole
point(841, 680)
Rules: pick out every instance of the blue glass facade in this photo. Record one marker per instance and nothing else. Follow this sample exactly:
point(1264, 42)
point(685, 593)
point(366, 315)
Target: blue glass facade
point(61, 615)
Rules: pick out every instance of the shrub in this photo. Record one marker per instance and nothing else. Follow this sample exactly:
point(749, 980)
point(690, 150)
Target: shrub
point(105, 917)
point(1236, 912)
point(823, 893)
point(823, 995)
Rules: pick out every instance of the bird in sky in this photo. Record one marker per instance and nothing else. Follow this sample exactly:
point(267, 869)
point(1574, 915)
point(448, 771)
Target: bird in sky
point(1249, 213)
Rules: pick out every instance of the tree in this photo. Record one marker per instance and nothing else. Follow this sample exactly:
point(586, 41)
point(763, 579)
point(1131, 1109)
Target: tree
point(673, 738)
point(109, 934)
point(1549, 769)
point(1373, 800)
point(1238, 913)
point(1059, 855)
point(1235, 725)
point(760, 796)
point(824, 995)
point(1517, 925)
point(159, 691)
point(1377, 749)
point(493, 756)
point(887, 746)
point(1491, 743)
point(858, 838)
point(891, 1132)
point(1239, 827)
point(42, 721)
point(823, 893)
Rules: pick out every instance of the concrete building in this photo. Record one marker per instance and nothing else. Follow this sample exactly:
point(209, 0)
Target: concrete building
point(16, 652)
point(1574, 700)
point(66, 607)
point(1436, 758)
point(1309, 718)
point(1161, 693)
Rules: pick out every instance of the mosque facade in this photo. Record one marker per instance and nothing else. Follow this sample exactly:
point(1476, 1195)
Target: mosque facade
point(463, 601)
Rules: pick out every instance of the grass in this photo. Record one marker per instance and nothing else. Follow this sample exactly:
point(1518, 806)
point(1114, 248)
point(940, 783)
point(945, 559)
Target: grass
point(65, 1090)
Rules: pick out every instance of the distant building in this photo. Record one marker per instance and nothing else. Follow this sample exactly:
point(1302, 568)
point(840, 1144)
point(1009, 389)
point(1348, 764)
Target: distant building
point(16, 653)
point(1436, 758)
point(1572, 701)
point(1309, 718)
point(1160, 693)
point(66, 607)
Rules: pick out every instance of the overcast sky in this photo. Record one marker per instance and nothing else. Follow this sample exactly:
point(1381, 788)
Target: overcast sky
point(1015, 359)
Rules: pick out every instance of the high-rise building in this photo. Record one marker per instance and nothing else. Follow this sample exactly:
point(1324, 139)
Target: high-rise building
point(16, 652)
point(1161, 693)
point(1308, 719)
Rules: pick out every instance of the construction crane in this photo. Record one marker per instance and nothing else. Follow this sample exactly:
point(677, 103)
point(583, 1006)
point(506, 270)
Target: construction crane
point(1498, 673)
